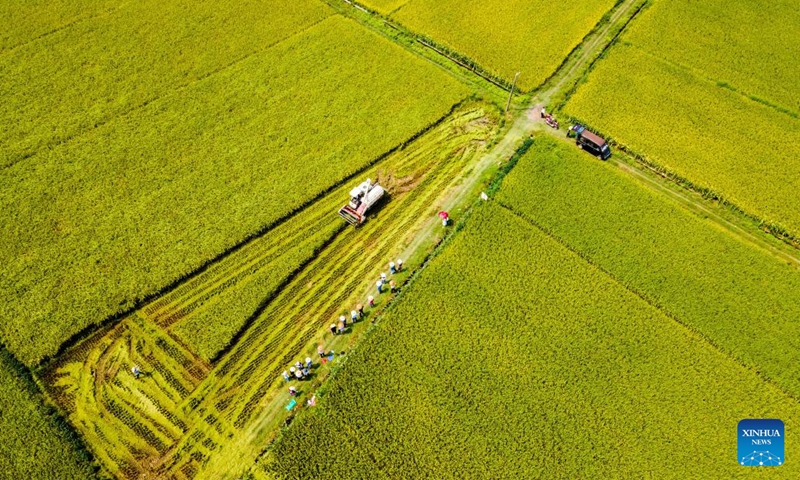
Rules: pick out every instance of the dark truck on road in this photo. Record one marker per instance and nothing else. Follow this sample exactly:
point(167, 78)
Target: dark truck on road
point(590, 142)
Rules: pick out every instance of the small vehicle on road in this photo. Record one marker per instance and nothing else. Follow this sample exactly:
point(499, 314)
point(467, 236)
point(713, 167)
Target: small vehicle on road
point(589, 141)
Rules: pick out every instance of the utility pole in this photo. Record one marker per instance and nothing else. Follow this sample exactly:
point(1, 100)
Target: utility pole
point(514, 84)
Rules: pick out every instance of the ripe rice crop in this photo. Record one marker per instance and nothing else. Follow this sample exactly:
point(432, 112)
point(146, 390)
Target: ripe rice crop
point(36, 443)
point(505, 37)
point(714, 137)
point(66, 83)
point(709, 91)
point(704, 276)
point(751, 45)
point(28, 20)
point(101, 221)
point(511, 357)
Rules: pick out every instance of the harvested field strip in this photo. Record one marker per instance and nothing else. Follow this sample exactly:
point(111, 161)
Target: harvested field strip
point(337, 278)
point(123, 418)
point(175, 415)
point(217, 162)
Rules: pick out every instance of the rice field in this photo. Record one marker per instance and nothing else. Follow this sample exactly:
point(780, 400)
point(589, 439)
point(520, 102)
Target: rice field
point(503, 37)
point(696, 112)
point(101, 222)
point(525, 362)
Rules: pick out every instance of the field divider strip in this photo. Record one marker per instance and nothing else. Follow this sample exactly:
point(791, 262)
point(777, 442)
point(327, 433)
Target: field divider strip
point(603, 52)
point(708, 340)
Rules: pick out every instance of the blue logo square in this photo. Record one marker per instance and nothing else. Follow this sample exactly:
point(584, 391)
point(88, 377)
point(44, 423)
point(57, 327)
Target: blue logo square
point(761, 443)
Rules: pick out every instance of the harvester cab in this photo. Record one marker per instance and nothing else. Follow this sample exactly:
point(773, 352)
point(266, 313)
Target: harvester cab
point(362, 198)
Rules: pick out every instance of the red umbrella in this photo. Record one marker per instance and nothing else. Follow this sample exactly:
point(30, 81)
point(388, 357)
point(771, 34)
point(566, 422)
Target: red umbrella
point(443, 215)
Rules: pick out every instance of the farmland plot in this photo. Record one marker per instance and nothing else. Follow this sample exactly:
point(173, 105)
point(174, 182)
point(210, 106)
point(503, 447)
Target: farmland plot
point(187, 418)
point(750, 45)
point(79, 77)
point(27, 20)
point(511, 357)
point(505, 37)
point(707, 100)
point(99, 222)
point(705, 277)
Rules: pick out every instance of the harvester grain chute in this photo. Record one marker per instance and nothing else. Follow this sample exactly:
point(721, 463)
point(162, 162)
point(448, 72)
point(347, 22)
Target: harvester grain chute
point(362, 198)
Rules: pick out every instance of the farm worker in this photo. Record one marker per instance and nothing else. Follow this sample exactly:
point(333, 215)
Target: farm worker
point(135, 370)
point(333, 329)
point(353, 316)
point(383, 277)
point(484, 197)
point(292, 391)
point(371, 301)
point(392, 268)
point(292, 371)
point(298, 374)
point(312, 402)
point(399, 265)
point(444, 216)
point(392, 286)
point(379, 284)
point(341, 327)
point(286, 376)
point(321, 351)
point(309, 363)
point(360, 309)
point(543, 112)
point(305, 372)
point(298, 365)
point(343, 319)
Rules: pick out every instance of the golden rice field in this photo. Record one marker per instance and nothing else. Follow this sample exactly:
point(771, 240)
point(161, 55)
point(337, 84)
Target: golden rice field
point(170, 177)
point(697, 112)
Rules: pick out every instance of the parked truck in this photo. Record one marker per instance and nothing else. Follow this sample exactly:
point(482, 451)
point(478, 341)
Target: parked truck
point(589, 141)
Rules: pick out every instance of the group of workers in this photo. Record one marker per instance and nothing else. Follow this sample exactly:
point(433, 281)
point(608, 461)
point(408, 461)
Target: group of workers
point(393, 268)
point(301, 370)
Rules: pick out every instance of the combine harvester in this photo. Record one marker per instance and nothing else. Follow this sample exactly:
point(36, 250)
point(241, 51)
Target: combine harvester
point(362, 198)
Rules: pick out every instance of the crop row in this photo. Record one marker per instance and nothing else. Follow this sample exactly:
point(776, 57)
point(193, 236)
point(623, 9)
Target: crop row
point(337, 277)
point(198, 185)
point(521, 360)
point(212, 327)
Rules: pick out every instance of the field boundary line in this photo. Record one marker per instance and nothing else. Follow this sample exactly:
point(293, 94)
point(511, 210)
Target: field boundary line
point(700, 78)
point(75, 339)
point(772, 228)
point(65, 26)
point(458, 58)
point(690, 328)
point(174, 90)
point(603, 52)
